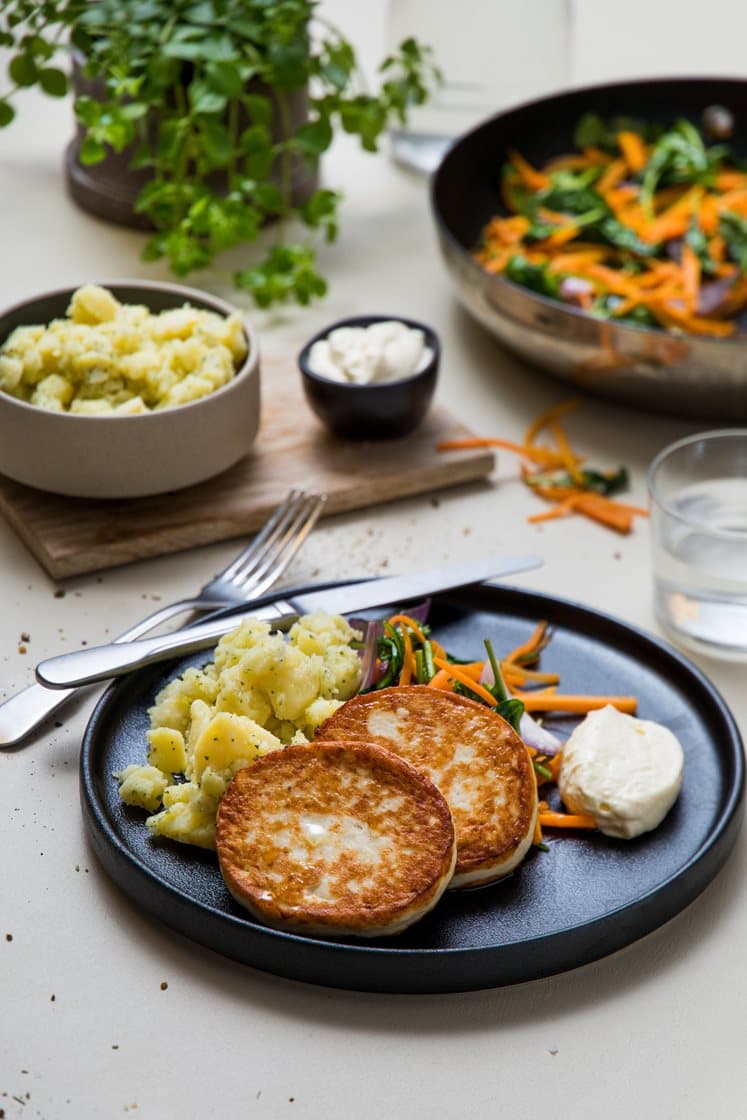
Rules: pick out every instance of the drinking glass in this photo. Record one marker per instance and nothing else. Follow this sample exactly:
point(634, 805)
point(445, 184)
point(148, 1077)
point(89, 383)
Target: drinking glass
point(492, 54)
point(698, 492)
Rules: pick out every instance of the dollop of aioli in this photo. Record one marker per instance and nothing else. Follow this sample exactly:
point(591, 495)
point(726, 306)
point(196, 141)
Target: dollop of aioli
point(384, 351)
point(625, 772)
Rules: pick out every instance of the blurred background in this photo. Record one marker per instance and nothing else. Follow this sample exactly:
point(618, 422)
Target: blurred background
point(495, 53)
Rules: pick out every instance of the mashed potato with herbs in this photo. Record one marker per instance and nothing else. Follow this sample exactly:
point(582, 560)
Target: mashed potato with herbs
point(261, 692)
point(117, 358)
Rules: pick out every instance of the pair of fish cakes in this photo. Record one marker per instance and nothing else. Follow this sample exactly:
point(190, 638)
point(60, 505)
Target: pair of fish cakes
point(405, 791)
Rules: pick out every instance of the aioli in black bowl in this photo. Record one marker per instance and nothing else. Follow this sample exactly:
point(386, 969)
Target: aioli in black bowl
point(376, 410)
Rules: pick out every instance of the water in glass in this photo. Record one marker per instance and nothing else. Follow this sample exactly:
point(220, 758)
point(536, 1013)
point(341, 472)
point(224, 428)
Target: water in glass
point(700, 565)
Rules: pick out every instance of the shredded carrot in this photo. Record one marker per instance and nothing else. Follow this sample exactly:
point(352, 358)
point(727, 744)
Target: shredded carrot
point(463, 678)
point(573, 493)
point(554, 764)
point(509, 231)
point(442, 680)
point(575, 258)
point(693, 324)
point(562, 509)
point(728, 180)
point(549, 819)
point(408, 670)
point(633, 149)
point(405, 620)
point(560, 237)
point(531, 649)
point(538, 455)
point(473, 669)
point(612, 175)
point(546, 417)
point(545, 701)
point(570, 461)
point(529, 674)
point(530, 177)
point(690, 277)
point(604, 511)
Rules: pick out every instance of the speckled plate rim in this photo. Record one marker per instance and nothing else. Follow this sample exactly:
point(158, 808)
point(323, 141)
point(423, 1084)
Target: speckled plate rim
point(395, 967)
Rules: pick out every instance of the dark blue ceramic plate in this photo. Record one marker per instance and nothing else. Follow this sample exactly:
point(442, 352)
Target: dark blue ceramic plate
point(584, 898)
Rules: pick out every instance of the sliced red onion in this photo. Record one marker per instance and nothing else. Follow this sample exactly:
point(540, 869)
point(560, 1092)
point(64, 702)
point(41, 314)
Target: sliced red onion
point(573, 289)
point(420, 611)
point(713, 293)
point(372, 630)
point(534, 735)
point(673, 248)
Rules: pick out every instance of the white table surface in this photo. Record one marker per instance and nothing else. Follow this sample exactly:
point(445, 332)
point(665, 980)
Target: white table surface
point(88, 1030)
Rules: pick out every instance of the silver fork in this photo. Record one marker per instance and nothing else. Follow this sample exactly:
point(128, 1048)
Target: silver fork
point(248, 576)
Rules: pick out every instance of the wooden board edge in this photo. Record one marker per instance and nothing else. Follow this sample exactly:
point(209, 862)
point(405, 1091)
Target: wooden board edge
point(69, 565)
point(29, 538)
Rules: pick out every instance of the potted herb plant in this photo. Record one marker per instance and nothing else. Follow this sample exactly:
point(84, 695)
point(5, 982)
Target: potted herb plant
point(210, 117)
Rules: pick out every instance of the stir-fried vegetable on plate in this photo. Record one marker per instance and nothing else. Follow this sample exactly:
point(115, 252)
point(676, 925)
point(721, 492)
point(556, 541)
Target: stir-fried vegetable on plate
point(401, 650)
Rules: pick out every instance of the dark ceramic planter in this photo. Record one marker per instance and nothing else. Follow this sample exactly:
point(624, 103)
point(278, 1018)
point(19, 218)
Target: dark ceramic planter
point(110, 188)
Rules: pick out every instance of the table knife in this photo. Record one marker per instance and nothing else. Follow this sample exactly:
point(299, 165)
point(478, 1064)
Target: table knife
point(99, 663)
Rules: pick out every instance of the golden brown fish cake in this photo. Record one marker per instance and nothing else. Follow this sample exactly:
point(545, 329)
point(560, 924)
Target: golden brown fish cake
point(335, 838)
point(475, 758)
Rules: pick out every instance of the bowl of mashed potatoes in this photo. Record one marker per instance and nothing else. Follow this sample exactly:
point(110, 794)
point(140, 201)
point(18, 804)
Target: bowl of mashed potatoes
point(125, 390)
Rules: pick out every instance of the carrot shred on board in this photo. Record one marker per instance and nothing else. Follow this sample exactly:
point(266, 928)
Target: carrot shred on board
point(548, 819)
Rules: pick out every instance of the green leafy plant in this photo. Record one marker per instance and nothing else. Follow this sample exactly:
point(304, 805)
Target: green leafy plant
point(199, 91)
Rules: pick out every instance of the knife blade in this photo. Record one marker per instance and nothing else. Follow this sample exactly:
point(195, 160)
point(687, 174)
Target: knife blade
point(99, 663)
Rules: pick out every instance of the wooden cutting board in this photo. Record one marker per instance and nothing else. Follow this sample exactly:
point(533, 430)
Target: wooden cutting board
point(72, 536)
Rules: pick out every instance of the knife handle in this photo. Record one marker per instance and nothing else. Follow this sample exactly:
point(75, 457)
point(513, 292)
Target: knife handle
point(26, 710)
point(99, 663)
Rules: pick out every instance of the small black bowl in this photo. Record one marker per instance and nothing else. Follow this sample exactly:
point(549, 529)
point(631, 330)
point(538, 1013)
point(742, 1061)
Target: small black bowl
point(384, 410)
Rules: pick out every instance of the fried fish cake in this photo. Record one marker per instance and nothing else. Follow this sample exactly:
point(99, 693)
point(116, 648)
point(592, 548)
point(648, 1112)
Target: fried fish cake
point(474, 757)
point(335, 838)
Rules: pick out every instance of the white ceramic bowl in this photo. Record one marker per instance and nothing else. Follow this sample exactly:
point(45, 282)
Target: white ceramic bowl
point(129, 456)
